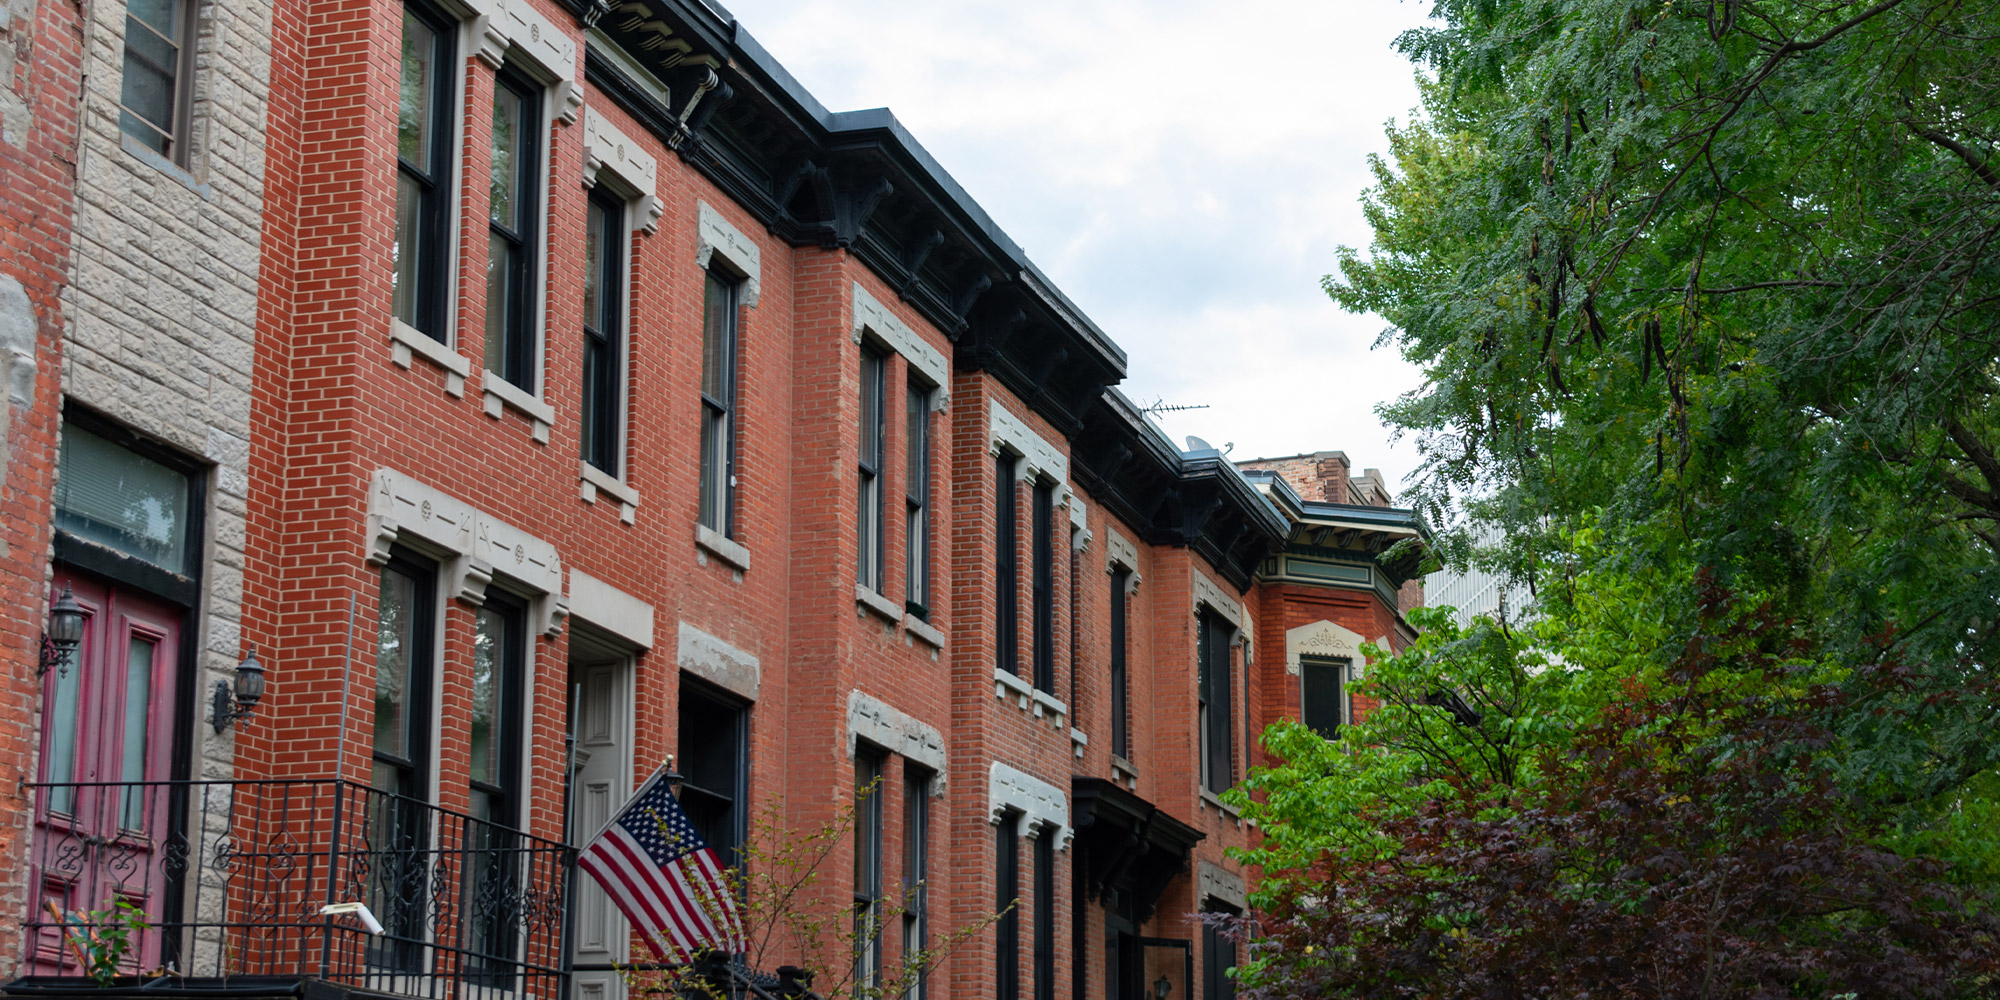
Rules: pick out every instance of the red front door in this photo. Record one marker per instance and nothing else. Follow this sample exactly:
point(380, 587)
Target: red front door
point(102, 818)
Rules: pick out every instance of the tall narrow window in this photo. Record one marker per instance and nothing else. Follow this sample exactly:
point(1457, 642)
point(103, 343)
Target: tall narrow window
point(499, 660)
point(1121, 737)
point(1045, 587)
point(917, 487)
point(153, 101)
point(514, 213)
point(1322, 700)
point(1218, 956)
point(1217, 732)
point(718, 404)
point(425, 156)
point(1045, 915)
point(715, 757)
point(1007, 933)
point(603, 333)
point(398, 823)
point(868, 502)
point(1006, 574)
point(867, 867)
point(916, 872)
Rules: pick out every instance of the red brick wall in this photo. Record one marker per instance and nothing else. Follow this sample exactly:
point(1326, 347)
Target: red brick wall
point(36, 209)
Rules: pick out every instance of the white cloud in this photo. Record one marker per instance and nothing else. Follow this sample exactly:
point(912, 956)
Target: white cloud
point(1183, 169)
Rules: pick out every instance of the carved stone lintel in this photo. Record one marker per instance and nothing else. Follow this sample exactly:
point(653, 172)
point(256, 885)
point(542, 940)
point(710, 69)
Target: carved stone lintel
point(470, 575)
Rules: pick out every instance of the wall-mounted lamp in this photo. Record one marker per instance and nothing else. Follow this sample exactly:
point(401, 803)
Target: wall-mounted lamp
point(65, 630)
point(232, 705)
point(1161, 987)
point(673, 778)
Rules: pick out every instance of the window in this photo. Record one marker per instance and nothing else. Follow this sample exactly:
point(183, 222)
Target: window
point(603, 333)
point(514, 213)
point(1217, 735)
point(1044, 583)
point(718, 404)
point(398, 822)
point(1007, 584)
point(868, 788)
point(868, 503)
point(1121, 734)
point(916, 871)
point(499, 661)
point(426, 158)
point(124, 501)
point(1218, 956)
point(714, 755)
point(1045, 914)
point(154, 99)
point(917, 521)
point(1007, 933)
point(1322, 695)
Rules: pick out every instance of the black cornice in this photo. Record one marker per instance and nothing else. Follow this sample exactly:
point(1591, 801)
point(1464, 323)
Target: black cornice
point(858, 181)
point(1195, 499)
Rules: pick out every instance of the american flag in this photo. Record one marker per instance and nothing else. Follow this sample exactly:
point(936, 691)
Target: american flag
point(665, 877)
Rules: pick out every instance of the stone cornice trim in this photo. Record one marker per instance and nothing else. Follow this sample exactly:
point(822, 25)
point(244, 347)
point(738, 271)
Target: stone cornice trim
point(1042, 806)
point(472, 546)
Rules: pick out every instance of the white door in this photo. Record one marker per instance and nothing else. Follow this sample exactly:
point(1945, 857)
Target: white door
point(601, 720)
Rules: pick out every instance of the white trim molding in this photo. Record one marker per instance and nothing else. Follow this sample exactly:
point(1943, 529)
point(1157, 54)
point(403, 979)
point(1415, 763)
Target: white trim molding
point(473, 546)
point(501, 28)
point(1119, 551)
point(716, 237)
point(1010, 435)
point(711, 659)
point(612, 159)
point(1206, 591)
point(611, 609)
point(872, 719)
point(1323, 638)
point(1041, 805)
point(872, 317)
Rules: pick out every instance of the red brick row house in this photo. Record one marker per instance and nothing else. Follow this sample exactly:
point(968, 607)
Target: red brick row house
point(574, 392)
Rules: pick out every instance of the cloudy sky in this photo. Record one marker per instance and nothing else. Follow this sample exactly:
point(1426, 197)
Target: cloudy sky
point(1182, 169)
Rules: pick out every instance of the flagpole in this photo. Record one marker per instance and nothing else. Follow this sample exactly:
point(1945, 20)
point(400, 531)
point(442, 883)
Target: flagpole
point(568, 958)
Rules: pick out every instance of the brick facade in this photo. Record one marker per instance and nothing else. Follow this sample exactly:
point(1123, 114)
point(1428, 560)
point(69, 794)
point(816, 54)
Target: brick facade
point(239, 312)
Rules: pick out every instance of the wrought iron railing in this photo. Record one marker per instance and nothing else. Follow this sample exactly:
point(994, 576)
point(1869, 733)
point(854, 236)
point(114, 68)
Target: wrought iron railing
point(228, 879)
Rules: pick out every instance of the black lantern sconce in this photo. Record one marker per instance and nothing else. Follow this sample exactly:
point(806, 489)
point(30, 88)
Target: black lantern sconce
point(1161, 987)
point(674, 779)
point(65, 631)
point(231, 705)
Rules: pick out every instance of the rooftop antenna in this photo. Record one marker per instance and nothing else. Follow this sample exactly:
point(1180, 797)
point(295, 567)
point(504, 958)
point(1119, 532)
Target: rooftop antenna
point(1160, 406)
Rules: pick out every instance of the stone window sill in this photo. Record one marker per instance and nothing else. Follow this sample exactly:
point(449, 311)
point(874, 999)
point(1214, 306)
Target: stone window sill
point(595, 481)
point(722, 548)
point(1209, 798)
point(1078, 740)
point(174, 170)
point(1048, 704)
point(407, 342)
point(1006, 685)
point(923, 630)
point(1124, 768)
point(499, 392)
point(883, 607)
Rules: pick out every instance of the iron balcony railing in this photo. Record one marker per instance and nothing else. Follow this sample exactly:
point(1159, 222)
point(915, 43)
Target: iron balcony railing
point(211, 880)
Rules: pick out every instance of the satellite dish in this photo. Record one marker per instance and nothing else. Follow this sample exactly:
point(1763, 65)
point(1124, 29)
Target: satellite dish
point(1197, 444)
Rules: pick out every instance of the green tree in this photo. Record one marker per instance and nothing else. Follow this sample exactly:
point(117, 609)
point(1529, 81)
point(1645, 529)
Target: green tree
point(1722, 278)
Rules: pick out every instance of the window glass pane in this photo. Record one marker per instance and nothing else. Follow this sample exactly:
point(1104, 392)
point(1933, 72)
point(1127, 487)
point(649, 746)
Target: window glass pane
point(142, 132)
point(62, 729)
point(162, 16)
point(413, 110)
point(408, 248)
point(499, 297)
point(395, 637)
point(138, 699)
point(489, 642)
point(507, 160)
point(109, 495)
point(1320, 695)
point(593, 269)
point(716, 329)
point(594, 401)
point(151, 64)
point(714, 452)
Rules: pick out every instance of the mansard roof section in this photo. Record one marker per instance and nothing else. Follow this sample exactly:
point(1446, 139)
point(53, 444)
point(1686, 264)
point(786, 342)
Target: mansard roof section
point(1195, 498)
point(856, 180)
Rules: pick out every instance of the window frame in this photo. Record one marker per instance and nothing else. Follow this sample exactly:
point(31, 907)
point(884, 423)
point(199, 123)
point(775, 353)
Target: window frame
point(1213, 640)
point(507, 789)
point(916, 871)
point(1043, 576)
point(717, 479)
point(917, 499)
point(1120, 623)
point(870, 515)
point(870, 782)
point(1218, 955)
point(430, 306)
point(601, 426)
point(1007, 896)
point(1007, 564)
point(1044, 954)
point(697, 695)
point(176, 141)
point(518, 349)
point(1342, 669)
